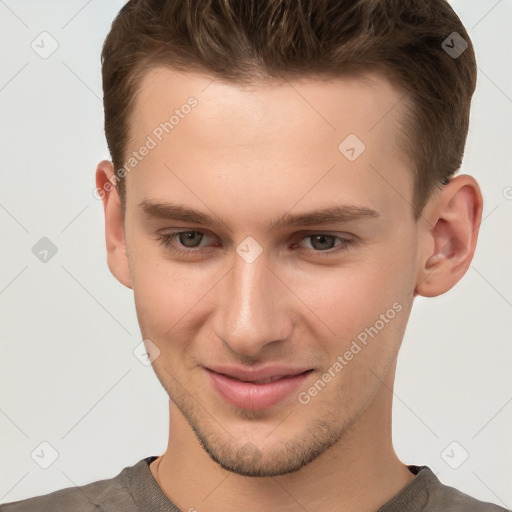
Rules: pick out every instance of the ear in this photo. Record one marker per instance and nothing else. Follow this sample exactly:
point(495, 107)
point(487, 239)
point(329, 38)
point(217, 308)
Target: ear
point(449, 231)
point(117, 257)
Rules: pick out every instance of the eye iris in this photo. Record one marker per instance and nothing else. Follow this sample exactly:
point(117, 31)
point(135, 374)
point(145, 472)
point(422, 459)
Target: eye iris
point(322, 238)
point(189, 236)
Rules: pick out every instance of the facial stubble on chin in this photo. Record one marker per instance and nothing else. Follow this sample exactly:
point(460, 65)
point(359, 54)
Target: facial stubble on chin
point(248, 459)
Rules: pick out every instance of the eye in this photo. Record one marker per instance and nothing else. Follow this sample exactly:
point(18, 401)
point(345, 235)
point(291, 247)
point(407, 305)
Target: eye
point(189, 242)
point(324, 242)
point(188, 239)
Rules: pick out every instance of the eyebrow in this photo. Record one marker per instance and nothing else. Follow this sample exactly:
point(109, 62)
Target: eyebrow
point(328, 215)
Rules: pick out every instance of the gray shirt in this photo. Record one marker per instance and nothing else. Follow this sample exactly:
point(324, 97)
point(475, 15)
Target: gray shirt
point(135, 490)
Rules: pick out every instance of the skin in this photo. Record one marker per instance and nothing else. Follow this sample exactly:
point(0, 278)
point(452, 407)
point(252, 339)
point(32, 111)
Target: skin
point(249, 155)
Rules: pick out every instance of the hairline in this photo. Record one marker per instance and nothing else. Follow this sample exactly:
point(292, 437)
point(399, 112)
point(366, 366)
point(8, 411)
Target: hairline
point(363, 72)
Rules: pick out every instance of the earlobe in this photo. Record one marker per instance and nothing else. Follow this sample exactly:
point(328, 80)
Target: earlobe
point(450, 240)
point(115, 239)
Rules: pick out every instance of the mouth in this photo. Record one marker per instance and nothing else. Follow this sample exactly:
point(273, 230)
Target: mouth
point(250, 392)
point(261, 381)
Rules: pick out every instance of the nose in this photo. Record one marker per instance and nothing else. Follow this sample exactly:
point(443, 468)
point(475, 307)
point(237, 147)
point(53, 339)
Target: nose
point(253, 309)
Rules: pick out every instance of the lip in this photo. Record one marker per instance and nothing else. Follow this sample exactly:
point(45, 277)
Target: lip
point(238, 386)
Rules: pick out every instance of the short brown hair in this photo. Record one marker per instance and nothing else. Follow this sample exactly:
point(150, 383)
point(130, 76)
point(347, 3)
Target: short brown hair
point(239, 41)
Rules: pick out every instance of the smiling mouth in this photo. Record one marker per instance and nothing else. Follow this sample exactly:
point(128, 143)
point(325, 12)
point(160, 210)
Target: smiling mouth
point(264, 381)
point(256, 394)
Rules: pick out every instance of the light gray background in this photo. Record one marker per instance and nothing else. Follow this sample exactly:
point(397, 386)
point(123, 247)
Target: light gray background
point(68, 373)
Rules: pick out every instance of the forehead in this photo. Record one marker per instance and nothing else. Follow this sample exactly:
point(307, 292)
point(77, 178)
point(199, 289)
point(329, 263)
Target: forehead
point(352, 102)
point(270, 132)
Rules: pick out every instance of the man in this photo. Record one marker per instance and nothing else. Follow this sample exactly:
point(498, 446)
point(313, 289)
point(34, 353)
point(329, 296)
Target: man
point(281, 188)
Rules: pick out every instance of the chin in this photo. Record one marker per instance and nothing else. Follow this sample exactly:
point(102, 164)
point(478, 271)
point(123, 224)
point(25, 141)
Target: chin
point(273, 459)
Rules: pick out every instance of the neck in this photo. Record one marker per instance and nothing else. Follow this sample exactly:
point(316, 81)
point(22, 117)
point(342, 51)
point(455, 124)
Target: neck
point(361, 472)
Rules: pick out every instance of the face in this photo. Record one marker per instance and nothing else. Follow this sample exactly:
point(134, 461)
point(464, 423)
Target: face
point(255, 281)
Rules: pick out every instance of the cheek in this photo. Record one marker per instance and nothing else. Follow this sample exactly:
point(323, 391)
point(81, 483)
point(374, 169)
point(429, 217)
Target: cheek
point(352, 298)
point(164, 292)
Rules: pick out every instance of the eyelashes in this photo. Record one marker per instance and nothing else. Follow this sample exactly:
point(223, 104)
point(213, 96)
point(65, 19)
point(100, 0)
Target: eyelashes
point(168, 241)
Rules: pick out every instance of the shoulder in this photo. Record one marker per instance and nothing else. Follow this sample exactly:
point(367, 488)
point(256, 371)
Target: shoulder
point(109, 495)
point(444, 497)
